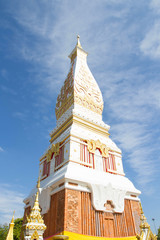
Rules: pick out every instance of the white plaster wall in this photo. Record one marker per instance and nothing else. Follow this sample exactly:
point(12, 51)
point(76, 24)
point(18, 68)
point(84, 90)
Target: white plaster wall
point(85, 133)
point(52, 165)
point(74, 151)
point(66, 151)
point(119, 165)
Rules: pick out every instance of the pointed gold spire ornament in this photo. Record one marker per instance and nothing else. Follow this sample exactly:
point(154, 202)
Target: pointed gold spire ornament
point(11, 226)
point(78, 41)
point(146, 233)
point(38, 182)
point(34, 227)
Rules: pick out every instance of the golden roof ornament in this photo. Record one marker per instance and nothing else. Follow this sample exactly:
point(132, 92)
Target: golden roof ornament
point(78, 41)
point(38, 182)
point(35, 220)
point(10, 231)
point(146, 233)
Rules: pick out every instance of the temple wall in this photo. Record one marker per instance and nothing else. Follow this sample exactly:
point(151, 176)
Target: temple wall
point(72, 211)
point(107, 224)
point(54, 218)
point(26, 213)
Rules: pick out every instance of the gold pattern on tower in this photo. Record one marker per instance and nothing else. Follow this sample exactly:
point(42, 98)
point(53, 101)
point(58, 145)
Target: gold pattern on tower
point(54, 149)
point(80, 86)
point(92, 145)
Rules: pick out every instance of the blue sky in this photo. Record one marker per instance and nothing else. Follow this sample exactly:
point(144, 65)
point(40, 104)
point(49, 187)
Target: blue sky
point(123, 41)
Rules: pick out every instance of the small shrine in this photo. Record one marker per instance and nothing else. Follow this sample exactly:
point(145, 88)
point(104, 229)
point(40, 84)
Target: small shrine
point(34, 227)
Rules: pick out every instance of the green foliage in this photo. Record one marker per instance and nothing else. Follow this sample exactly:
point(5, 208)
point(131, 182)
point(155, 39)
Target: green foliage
point(158, 235)
point(17, 228)
point(3, 231)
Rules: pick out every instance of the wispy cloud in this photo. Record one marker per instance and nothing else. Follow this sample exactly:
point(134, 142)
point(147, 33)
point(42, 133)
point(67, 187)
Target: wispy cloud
point(7, 90)
point(10, 200)
point(150, 44)
point(1, 149)
point(116, 36)
point(132, 107)
point(4, 73)
point(20, 115)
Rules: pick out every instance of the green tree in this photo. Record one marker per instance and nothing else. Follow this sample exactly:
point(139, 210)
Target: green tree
point(3, 231)
point(17, 228)
point(158, 235)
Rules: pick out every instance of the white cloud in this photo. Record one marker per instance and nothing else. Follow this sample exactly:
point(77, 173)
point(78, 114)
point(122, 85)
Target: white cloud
point(1, 149)
point(150, 45)
point(20, 115)
point(132, 107)
point(10, 200)
point(8, 90)
point(112, 41)
point(155, 5)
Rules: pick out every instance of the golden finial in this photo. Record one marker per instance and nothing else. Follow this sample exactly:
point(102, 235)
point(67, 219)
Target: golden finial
point(36, 203)
point(38, 182)
point(12, 221)
point(35, 215)
point(10, 232)
point(78, 41)
point(141, 208)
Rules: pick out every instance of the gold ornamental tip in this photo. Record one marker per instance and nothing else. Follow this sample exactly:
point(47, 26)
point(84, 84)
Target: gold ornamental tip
point(78, 41)
point(141, 208)
point(38, 182)
point(10, 231)
point(12, 221)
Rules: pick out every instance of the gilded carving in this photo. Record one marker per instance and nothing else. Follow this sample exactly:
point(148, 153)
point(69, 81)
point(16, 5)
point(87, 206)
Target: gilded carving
point(35, 235)
point(54, 149)
point(87, 92)
point(65, 98)
point(92, 145)
point(79, 87)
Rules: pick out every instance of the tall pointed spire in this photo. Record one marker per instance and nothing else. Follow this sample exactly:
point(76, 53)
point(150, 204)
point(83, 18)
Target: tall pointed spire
point(11, 226)
point(80, 91)
point(35, 224)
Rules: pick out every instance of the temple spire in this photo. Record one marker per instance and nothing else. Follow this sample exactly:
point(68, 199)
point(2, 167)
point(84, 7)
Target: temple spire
point(11, 226)
point(80, 91)
point(145, 230)
point(78, 41)
point(34, 227)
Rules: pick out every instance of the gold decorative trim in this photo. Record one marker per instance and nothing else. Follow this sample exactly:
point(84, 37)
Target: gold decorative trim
point(83, 122)
point(92, 145)
point(66, 97)
point(61, 129)
point(54, 149)
point(35, 235)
